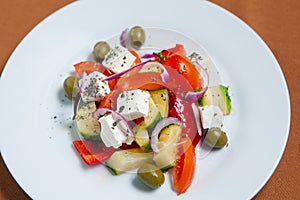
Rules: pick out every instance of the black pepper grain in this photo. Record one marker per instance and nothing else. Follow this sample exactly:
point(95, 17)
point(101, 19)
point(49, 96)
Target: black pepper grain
point(121, 109)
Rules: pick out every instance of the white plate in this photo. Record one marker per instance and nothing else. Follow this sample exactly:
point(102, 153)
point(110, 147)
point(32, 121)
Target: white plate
point(36, 141)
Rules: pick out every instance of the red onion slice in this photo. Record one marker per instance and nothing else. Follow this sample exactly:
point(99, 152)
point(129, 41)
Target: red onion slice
point(123, 38)
point(203, 73)
point(76, 103)
point(78, 96)
point(159, 126)
point(197, 118)
point(194, 96)
point(164, 75)
point(115, 76)
point(147, 56)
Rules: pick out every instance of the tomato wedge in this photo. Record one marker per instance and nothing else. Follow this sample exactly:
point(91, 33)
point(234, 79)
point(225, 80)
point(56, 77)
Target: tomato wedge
point(106, 101)
point(184, 170)
point(137, 57)
point(182, 65)
point(92, 152)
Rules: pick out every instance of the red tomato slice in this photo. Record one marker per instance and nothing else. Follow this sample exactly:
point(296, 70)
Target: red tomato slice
point(137, 56)
point(178, 49)
point(90, 66)
point(184, 67)
point(184, 170)
point(129, 146)
point(92, 152)
point(106, 101)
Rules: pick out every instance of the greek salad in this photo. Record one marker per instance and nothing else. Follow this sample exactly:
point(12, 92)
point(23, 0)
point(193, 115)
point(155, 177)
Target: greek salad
point(146, 112)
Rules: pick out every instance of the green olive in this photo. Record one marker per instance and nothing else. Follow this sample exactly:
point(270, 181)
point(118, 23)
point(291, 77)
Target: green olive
point(216, 138)
point(100, 50)
point(151, 176)
point(137, 37)
point(69, 83)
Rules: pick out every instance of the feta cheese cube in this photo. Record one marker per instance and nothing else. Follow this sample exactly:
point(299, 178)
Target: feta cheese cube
point(118, 59)
point(211, 116)
point(111, 133)
point(133, 104)
point(93, 88)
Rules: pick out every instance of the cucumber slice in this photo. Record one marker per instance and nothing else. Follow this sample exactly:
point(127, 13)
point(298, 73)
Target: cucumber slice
point(142, 136)
point(161, 100)
point(153, 115)
point(87, 125)
point(168, 139)
point(127, 160)
point(217, 96)
point(141, 130)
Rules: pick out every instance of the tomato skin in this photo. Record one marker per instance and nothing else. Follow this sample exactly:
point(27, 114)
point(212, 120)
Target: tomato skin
point(92, 152)
point(185, 67)
point(182, 110)
point(178, 49)
point(90, 66)
point(137, 57)
point(129, 146)
point(96, 152)
point(184, 170)
point(106, 101)
point(175, 57)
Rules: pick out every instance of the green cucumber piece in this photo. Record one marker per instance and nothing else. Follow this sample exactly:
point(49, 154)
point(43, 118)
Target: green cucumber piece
point(142, 136)
point(161, 100)
point(141, 130)
point(168, 139)
point(127, 160)
point(87, 125)
point(153, 115)
point(217, 96)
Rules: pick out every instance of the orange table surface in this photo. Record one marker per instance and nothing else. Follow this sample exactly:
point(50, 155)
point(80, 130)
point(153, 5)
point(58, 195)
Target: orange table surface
point(277, 22)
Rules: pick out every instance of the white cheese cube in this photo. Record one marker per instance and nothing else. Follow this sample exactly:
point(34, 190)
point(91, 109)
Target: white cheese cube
point(211, 116)
point(93, 88)
point(114, 53)
point(133, 104)
point(118, 59)
point(111, 134)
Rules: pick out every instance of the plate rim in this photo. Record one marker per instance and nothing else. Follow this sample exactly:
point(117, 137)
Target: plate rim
point(279, 69)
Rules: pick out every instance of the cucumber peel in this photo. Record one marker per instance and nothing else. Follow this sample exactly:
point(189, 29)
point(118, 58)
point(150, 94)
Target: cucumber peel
point(217, 96)
point(87, 125)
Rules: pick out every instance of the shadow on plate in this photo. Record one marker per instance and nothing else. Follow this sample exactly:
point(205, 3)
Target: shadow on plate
point(139, 185)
